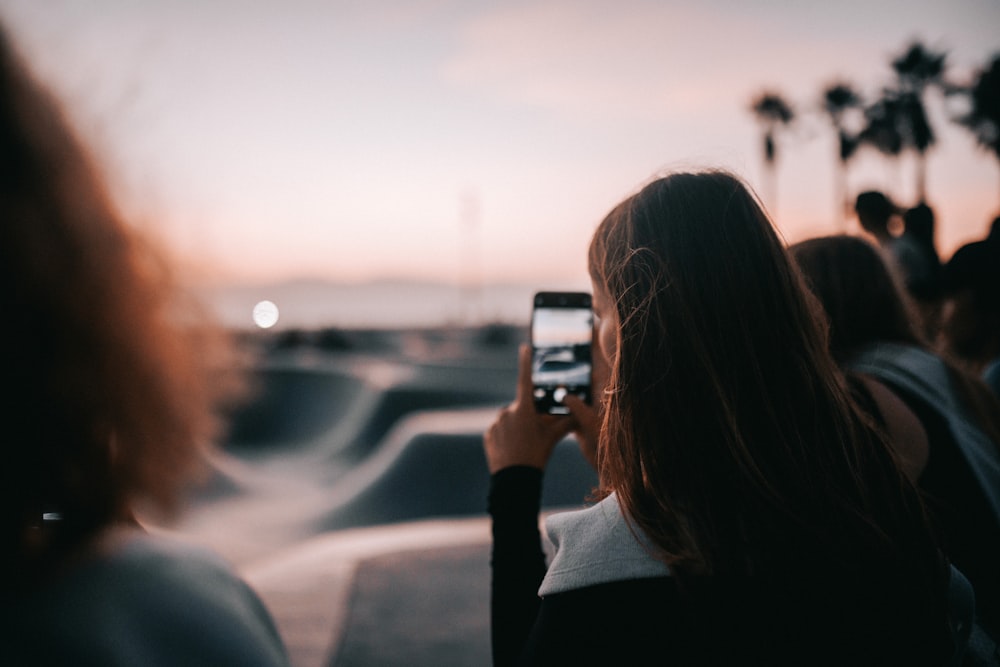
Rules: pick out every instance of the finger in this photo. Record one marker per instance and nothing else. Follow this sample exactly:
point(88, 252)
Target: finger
point(557, 428)
point(577, 407)
point(524, 386)
point(573, 404)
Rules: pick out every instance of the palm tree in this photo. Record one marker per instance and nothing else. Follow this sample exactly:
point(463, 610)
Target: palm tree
point(917, 69)
point(838, 99)
point(898, 120)
point(983, 118)
point(882, 126)
point(882, 129)
point(774, 113)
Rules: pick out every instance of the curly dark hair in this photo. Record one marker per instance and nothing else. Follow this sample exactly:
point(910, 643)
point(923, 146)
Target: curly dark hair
point(110, 380)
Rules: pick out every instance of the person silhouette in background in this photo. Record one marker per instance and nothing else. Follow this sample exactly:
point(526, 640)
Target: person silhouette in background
point(874, 330)
point(918, 260)
point(908, 244)
point(751, 512)
point(875, 213)
point(111, 393)
point(971, 327)
point(923, 269)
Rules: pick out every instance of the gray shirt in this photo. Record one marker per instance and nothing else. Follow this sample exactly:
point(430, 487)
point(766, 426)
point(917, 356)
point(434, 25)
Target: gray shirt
point(596, 546)
point(151, 601)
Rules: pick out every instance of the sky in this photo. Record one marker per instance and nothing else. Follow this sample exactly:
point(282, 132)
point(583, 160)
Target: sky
point(476, 141)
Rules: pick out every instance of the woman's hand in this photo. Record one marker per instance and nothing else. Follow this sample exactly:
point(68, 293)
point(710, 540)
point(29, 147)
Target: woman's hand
point(588, 417)
point(520, 435)
point(586, 427)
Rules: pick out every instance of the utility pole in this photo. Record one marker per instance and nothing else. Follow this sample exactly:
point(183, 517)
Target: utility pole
point(470, 279)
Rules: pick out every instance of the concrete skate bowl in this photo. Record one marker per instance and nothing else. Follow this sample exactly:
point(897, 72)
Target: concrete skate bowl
point(343, 413)
point(430, 387)
point(292, 405)
point(432, 465)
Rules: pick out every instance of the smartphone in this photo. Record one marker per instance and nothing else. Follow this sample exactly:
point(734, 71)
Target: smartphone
point(562, 325)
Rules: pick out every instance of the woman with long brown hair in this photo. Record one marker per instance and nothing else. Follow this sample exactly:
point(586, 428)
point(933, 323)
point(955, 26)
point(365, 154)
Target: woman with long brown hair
point(875, 331)
point(751, 511)
point(112, 392)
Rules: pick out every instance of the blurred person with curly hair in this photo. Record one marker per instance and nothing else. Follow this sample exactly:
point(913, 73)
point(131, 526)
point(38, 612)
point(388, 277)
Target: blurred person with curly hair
point(112, 390)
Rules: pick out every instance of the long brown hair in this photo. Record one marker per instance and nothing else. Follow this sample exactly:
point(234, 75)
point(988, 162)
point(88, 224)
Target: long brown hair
point(866, 303)
point(111, 383)
point(730, 436)
point(862, 297)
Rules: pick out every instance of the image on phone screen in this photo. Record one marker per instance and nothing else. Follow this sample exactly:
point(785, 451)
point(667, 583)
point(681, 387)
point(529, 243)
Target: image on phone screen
point(561, 334)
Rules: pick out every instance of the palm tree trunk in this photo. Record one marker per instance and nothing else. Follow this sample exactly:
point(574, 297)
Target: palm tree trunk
point(840, 187)
point(770, 187)
point(921, 177)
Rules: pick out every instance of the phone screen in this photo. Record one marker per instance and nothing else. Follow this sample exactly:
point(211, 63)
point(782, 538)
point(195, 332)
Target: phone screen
point(561, 334)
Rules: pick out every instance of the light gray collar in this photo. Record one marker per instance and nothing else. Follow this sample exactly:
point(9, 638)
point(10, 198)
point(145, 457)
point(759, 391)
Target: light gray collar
point(596, 546)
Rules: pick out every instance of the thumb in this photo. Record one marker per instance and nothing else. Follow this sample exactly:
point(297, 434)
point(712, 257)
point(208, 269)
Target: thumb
point(581, 410)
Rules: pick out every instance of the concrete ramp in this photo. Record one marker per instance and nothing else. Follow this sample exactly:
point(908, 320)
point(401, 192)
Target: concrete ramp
point(433, 465)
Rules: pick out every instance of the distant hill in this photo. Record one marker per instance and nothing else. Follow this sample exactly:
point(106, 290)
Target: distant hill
point(378, 304)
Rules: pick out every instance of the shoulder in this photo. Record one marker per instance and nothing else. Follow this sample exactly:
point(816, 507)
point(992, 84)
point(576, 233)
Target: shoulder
point(902, 426)
point(151, 600)
point(910, 368)
point(991, 375)
point(597, 546)
point(161, 572)
point(164, 560)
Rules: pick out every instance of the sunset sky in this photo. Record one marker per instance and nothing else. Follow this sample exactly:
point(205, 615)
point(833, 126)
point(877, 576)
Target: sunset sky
point(480, 140)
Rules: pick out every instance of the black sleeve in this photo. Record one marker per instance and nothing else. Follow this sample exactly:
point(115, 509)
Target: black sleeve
point(518, 562)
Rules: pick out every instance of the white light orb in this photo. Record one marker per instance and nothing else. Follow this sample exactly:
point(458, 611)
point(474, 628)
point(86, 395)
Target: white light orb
point(265, 314)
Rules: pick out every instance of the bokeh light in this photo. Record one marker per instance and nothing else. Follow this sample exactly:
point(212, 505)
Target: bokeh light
point(265, 314)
